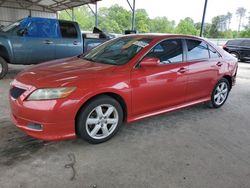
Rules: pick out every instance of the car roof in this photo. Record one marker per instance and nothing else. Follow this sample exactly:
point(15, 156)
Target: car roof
point(163, 35)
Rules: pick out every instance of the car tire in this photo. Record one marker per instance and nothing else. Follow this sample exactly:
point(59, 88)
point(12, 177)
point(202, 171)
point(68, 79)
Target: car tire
point(236, 55)
point(3, 67)
point(99, 120)
point(220, 93)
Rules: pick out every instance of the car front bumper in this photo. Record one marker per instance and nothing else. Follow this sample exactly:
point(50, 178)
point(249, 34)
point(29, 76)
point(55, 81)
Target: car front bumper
point(46, 120)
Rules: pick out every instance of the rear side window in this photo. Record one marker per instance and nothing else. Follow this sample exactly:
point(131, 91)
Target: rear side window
point(168, 51)
point(213, 53)
point(68, 30)
point(245, 43)
point(234, 42)
point(197, 50)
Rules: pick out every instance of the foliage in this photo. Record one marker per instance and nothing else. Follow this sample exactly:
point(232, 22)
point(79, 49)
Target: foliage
point(117, 19)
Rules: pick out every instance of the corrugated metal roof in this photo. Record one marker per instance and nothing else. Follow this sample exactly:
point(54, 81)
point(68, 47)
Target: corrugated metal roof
point(44, 5)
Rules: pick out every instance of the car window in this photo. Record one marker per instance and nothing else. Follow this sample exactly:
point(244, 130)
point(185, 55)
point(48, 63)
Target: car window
point(234, 42)
point(43, 29)
point(196, 50)
point(168, 51)
point(245, 43)
point(213, 53)
point(68, 30)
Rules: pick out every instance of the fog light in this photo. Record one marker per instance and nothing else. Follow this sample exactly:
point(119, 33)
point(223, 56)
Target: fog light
point(35, 126)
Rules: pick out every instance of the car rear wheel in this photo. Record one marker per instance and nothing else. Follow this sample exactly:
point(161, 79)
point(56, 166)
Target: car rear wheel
point(236, 55)
point(3, 68)
point(220, 93)
point(99, 120)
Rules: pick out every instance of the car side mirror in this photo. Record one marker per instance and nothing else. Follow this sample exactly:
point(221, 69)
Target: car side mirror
point(150, 62)
point(22, 32)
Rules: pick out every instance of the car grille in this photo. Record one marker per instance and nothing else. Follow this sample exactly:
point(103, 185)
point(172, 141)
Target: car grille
point(16, 92)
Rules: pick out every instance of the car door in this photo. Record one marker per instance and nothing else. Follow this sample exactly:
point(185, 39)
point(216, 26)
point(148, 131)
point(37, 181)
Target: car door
point(245, 49)
point(155, 88)
point(36, 44)
point(204, 65)
point(70, 43)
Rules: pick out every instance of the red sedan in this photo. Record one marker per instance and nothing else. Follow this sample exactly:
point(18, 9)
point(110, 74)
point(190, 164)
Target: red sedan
point(122, 80)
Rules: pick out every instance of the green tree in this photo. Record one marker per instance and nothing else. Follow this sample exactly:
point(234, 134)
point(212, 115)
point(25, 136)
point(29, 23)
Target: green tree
point(186, 26)
point(82, 15)
point(161, 25)
point(240, 12)
point(142, 21)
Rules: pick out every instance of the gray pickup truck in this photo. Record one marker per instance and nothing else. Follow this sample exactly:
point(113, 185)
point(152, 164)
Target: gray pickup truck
point(35, 40)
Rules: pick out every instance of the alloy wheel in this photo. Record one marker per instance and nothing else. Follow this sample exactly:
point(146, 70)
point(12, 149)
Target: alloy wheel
point(221, 93)
point(102, 121)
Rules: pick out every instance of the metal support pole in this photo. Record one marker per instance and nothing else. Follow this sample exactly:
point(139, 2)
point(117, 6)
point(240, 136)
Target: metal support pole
point(73, 15)
point(203, 18)
point(133, 13)
point(96, 15)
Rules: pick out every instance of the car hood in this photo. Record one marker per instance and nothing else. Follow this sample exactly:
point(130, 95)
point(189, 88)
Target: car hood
point(63, 72)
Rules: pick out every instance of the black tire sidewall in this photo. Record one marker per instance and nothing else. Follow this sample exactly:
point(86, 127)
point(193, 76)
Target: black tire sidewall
point(214, 105)
point(4, 65)
point(84, 112)
point(237, 55)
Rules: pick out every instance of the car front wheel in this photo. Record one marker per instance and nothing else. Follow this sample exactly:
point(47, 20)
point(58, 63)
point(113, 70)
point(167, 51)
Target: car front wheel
point(3, 68)
point(220, 93)
point(99, 120)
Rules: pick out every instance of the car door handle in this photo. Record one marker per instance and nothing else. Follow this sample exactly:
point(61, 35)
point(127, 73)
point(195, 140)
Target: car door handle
point(75, 43)
point(182, 70)
point(219, 64)
point(48, 42)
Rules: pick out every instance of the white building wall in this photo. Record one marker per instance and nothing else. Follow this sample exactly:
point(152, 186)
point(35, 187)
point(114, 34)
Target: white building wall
point(10, 15)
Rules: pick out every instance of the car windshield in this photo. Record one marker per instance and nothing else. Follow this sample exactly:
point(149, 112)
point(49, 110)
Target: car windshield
point(118, 51)
point(11, 26)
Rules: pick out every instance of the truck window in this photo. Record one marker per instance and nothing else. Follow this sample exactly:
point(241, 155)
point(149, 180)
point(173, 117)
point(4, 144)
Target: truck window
point(68, 30)
point(43, 28)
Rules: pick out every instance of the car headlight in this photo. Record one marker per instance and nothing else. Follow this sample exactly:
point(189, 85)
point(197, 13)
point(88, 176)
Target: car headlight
point(51, 93)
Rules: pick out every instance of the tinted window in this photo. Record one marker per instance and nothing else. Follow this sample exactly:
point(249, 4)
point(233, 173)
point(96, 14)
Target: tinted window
point(43, 28)
point(234, 42)
point(213, 53)
point(246, 43)
point(68, 30)
point(197, 50)
point(168, 51)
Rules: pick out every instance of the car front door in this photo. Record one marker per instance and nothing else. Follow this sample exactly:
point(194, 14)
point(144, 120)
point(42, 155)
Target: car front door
point(36, 43)
point(204, 65)
point(163, 86)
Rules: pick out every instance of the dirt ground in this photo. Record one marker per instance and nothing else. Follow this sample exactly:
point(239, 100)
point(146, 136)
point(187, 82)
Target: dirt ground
point(196, 147)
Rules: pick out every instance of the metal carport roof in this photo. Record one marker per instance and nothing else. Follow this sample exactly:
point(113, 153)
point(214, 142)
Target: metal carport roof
point(44, 5)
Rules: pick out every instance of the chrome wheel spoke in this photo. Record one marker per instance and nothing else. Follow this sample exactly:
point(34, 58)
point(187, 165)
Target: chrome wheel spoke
point(112, 120)
point(216, 95)
point(95, 130)
point(99, 111)
point(105, 130)
point(91, 121)
point(224, 91)
point(109, 111)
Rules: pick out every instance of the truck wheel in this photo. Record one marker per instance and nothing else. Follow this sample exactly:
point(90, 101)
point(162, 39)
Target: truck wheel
point(3, 68)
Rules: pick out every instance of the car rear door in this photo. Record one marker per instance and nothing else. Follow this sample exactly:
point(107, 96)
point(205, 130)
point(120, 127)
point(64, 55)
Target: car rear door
point(159, 87)
point(70, 42)
point(204, 65)
point(245, 49)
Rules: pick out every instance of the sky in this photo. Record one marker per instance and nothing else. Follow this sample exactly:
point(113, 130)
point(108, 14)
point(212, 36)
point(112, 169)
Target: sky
point(179, 9)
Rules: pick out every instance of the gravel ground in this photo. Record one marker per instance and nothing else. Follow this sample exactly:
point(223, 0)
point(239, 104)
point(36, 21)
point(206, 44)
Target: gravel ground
point(196, 147)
